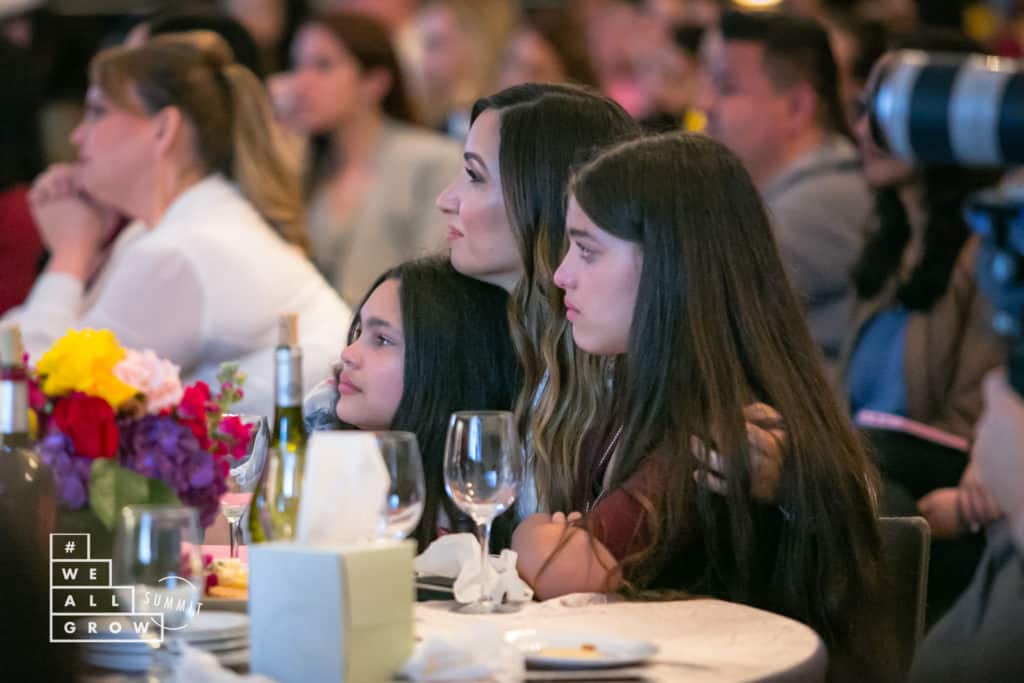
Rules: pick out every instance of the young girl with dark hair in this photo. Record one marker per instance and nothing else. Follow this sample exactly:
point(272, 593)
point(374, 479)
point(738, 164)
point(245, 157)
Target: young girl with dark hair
point(426, 342)
point(673, 271)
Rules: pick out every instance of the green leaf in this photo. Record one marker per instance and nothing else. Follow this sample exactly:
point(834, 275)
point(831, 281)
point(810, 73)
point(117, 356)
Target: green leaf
point(162, 494)
point(112, 487)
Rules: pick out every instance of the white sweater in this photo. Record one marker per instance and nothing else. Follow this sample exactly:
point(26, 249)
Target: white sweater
point(204, 286)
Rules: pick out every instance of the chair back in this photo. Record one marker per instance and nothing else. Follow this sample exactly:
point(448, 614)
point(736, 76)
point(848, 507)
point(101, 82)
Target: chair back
point(906, 548)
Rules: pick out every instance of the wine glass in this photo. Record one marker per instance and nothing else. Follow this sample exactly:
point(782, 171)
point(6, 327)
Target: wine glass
point(157, 554)
point(404, 504)
point(244, 476)
point(482, 469)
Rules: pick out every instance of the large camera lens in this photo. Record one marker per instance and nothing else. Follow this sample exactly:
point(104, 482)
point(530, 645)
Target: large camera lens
point(947, 108)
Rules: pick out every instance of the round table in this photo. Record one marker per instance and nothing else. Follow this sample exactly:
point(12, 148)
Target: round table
point(698, 640)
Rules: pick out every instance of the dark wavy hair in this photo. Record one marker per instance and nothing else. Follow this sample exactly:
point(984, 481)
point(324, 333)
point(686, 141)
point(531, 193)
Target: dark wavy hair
point(458, 356)
point(716, 327)
point(944, 188)
point(546, 130)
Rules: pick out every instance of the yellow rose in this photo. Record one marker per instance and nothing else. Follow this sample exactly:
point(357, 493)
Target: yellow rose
point(84, 360)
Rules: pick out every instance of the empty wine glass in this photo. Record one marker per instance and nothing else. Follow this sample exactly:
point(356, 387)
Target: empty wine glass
point(482, 469)
point(158, 556)
point(244, 476)
point(404, 503)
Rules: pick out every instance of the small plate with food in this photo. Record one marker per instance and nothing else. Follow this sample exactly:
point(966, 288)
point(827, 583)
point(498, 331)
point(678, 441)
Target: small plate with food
point(227, 586)
point(578, 650)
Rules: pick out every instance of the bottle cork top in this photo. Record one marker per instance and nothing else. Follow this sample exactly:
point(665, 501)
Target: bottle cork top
point(288, 329)
point(12, 352)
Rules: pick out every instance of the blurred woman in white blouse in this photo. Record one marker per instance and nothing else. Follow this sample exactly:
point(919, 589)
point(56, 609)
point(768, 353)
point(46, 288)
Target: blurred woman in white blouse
point(180, 139)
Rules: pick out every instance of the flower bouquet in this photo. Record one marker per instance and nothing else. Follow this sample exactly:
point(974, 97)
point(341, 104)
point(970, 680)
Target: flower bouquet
point(117, 428)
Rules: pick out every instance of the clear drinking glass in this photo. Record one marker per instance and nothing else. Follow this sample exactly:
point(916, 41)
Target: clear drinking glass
point(157, 552)
point(483, 466)
point(406, 495)
point(244, 477)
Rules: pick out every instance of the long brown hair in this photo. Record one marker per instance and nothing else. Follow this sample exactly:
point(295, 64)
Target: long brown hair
point(545, 131)
point(227, 108)
point(717, 326)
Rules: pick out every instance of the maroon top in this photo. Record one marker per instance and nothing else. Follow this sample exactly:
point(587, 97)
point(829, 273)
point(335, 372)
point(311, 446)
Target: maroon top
point(618, 519)
point(20, 247)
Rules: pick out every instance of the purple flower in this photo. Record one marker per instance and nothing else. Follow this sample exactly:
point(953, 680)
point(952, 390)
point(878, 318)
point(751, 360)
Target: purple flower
point(70, 474)
point(160, 448)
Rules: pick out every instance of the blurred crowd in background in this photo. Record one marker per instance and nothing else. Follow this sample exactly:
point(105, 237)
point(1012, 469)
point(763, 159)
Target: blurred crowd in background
point(643, 53)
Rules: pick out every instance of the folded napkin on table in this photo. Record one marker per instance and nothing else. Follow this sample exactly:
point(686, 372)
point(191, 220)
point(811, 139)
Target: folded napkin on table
point(477, 654)
point(457, 556)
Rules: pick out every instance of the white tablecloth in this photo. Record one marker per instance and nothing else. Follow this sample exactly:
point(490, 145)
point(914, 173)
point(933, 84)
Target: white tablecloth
point(698, 640)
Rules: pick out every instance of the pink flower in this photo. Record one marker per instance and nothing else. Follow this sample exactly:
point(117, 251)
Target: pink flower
point(158, 379)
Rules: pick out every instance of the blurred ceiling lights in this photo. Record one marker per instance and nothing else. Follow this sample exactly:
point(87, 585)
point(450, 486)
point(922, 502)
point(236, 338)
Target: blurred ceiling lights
point(757, 4)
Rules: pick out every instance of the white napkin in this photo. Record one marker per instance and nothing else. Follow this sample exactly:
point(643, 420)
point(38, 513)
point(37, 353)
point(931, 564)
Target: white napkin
point(344, 489)
point(457, 556)
point(477, 654)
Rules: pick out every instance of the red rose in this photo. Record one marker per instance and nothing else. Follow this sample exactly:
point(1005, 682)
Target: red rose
point(192, 411)
point(89, 422)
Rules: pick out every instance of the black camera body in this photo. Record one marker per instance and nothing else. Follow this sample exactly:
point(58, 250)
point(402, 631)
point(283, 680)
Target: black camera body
point(966, 110)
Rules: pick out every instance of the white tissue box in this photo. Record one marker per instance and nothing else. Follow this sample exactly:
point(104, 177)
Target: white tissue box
point(341, 614)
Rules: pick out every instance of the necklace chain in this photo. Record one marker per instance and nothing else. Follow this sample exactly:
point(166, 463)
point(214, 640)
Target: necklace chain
point(601, 463)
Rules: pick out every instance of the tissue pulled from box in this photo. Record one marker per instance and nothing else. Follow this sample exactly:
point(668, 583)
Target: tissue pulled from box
point(344, 490)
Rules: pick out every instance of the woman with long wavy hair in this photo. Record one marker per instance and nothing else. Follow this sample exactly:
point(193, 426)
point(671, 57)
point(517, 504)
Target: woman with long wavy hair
point(672, 271)
point(506, 218)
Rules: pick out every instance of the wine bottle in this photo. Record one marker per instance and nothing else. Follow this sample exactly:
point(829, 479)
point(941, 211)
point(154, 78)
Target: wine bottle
point(274, 509)
point(28, 501)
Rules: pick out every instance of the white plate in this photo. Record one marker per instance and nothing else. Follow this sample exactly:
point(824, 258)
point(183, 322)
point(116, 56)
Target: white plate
point(216, 646)
point(215, 625)
point(125, 648)
point(579, 650)
point(225, 604)
point(117, 661)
